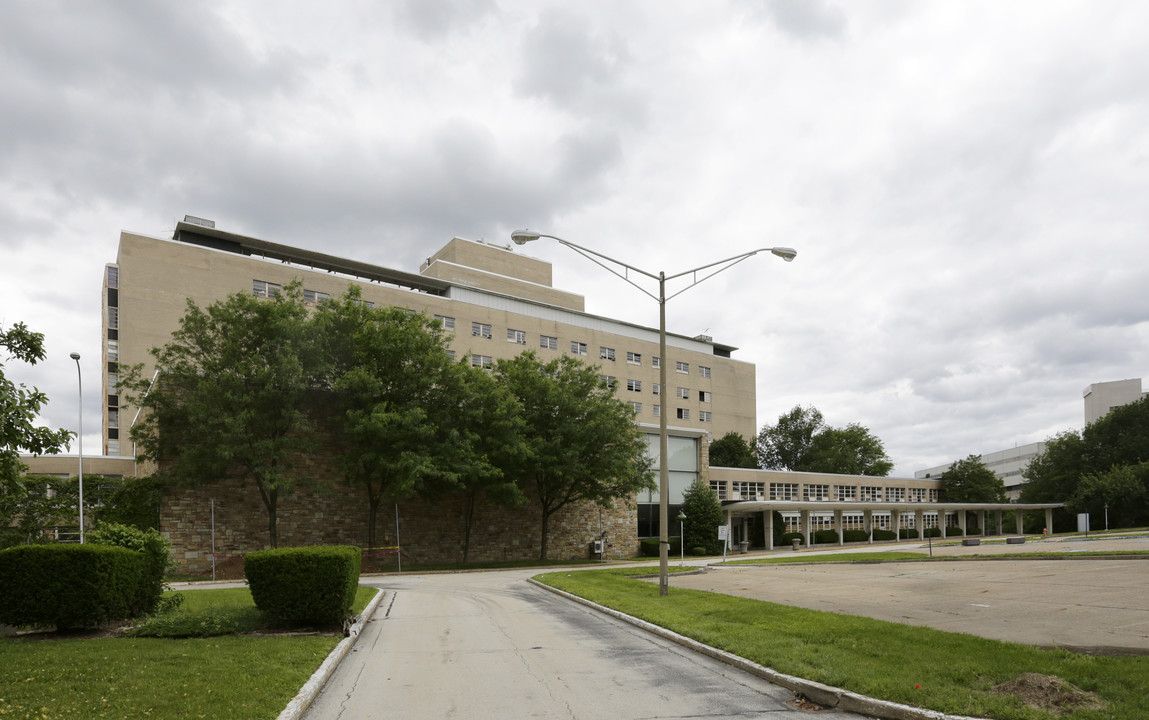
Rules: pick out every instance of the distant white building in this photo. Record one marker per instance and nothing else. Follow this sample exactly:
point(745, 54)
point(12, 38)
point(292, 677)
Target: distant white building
point(1102, 397)
point(1009, 465)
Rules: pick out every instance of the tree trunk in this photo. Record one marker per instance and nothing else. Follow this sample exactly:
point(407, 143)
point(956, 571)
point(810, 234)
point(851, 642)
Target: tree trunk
point(272, 525)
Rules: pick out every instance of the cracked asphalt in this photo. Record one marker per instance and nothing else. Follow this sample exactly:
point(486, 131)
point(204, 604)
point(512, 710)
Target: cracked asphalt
point(490, 645)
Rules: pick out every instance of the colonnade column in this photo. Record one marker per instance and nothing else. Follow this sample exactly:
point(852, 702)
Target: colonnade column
point(804, 522)
point(768, 522)
point(838, 527)
point(997, 518)
point(868, 524)
point(896, 523)
point(1049, 520)
point(961, 520)
point(1020, 522)
point(920, 523)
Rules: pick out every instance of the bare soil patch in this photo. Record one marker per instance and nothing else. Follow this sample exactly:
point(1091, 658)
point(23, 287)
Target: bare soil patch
point(1048, 692)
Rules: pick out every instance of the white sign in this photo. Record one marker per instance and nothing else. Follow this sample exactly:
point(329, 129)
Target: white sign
point(722, 531)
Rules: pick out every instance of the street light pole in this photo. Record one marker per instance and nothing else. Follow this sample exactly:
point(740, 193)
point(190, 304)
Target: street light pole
point(681, 539)
point(522, 237)
point(80, 439)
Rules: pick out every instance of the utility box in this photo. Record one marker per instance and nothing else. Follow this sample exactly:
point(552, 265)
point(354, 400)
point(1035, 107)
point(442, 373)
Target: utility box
point(596, 547)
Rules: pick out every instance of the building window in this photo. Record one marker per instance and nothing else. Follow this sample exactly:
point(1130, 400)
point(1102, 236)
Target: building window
point(366, 303)
point(482, 330)
point(481, 361)
point(704, 371)
point(704, 416)
point(657, 410)
point(719, 488)
point(113, 447)
point(683, 393)
point(871, 492)
point(264, 289)
point(516, 336)
point(743, 490)
point(815, 492)
point(895, 494)
point(451, 354)
point(113, 351)
point(683, 414)
point(448, 323)
point(113, 418)
point(634, 358)
point(113, 401)
point(934, 495)
point(657, 389)
point(113, 380)
point(634, 385)
point(113, 317)
point(682, 367)
point(656, 362)
point(113, 277)
point(783, 491)
point(314, 297)
point(578, 348)
point(546, 342)
point(846, 492)
point(636, 407)
point(704, 396)
point(609, 380)
point(917, 494)
point(605, 353)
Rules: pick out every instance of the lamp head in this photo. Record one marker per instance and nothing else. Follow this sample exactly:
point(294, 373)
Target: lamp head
point(524, 236)
point(75, 356)
point(787, 254)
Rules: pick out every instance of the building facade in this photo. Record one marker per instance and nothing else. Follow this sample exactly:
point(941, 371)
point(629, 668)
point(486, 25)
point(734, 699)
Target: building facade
point(1101, 398)
point(493, 302)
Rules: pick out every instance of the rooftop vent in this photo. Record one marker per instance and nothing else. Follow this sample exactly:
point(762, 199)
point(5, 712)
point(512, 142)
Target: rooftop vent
point(704, 338)
point(193, 220)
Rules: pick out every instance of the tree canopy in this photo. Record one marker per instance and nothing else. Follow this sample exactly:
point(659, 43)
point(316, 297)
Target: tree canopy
point(1103, 465)
point(970, 481)
point(802, 441)
point(19, 407)
point(703, 512)
point(582, 443)
point(732, 450)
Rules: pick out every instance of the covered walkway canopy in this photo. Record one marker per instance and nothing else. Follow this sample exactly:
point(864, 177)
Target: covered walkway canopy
point(806, 508)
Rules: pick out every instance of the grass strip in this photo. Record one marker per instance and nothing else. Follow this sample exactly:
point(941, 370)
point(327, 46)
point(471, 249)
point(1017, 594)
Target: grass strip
point(52, 677)
point(866, 557)
point(948, 672)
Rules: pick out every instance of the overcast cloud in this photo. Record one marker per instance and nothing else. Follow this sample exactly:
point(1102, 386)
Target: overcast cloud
point(965, 183)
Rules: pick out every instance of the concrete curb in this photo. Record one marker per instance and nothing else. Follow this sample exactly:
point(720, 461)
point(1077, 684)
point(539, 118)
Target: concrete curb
point(814, 691)
point(302, 701)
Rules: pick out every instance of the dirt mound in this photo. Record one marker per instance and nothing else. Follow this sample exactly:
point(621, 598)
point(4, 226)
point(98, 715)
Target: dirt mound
point(1048, 692)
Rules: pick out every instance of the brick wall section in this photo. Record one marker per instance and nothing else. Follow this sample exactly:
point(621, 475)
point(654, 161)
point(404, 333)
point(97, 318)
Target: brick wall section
point(431, 532)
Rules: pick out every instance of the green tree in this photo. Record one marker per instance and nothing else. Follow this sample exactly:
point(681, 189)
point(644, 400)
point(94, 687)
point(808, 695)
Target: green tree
point(852, 450)
point(19, 407)
point(784, 445)
point(703, 512)
point(802, 441)
point(1122, 493)
point(43, 502)
point(236, 395)
point(393, 383)
point(970, 481)
point(732, 450)
point(582, 443)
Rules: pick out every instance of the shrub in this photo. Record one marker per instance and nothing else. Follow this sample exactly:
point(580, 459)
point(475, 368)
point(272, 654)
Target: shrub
point(699, 551)
point(855, 536)
point(908, 533)
point(155, 550)
point(309, 585)
point(825, 537)
point(880, 534)
point(932, 532)
point(790, 537)
point(973, 531)
point(69, 586)
point(953, 530)
point(650, 546)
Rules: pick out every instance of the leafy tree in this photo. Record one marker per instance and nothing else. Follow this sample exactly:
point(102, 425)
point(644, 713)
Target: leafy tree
point(852, 450)
point(970, 481)
point(801, 440)
point(732, 450)
point(19, 408)
point(582, 443)
point(783, 446)
point(1122, 492)
point(236, 395)
point(703, 512)
point(134, 502)
point(44, 502)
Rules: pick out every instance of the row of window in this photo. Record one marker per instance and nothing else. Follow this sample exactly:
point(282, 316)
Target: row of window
point(681, 413)
point(857, 521)
point(550, 342)
point(849, 493)
point(265, 289)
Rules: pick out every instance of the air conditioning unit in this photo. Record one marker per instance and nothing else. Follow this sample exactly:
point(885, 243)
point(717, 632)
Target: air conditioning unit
point(597, 547)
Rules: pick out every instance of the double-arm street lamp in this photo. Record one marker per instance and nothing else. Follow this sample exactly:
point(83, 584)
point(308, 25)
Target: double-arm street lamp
point(521, 237)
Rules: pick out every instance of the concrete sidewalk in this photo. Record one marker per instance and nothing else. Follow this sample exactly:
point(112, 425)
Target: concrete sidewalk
point(1098, 605)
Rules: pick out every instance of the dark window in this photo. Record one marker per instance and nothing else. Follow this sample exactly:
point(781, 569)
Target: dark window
point(113, 434)
point(113, 367)
point(113, 401)
point(113, 297)
point(113, 334)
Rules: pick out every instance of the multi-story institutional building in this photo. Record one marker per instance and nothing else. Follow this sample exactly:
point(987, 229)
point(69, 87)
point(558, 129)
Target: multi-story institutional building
point(1100, 398)
point(495, 302)
point(1009, 465)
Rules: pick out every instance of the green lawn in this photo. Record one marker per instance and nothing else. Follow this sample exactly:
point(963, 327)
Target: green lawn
point(928, 668)
point(48, 677)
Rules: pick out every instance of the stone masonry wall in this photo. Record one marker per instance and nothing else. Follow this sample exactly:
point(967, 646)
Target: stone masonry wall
point(430, 531)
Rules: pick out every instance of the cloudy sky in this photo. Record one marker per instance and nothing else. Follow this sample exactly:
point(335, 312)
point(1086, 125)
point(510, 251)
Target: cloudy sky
point(966, 183)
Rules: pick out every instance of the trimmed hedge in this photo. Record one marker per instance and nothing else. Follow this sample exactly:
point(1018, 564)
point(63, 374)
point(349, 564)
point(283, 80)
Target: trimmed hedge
point(789, 538)
point(853, 536)
point(932, 532)
point(880, 534)
point(69, 586)
point(825, 537)
point(307, 585)
point(953, 530)
point(649, 546)
point(155, 550)
point(908, 533)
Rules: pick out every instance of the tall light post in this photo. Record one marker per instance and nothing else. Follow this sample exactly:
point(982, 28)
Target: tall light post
point(521, 237)
point(80, 440)
point(681, 539)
